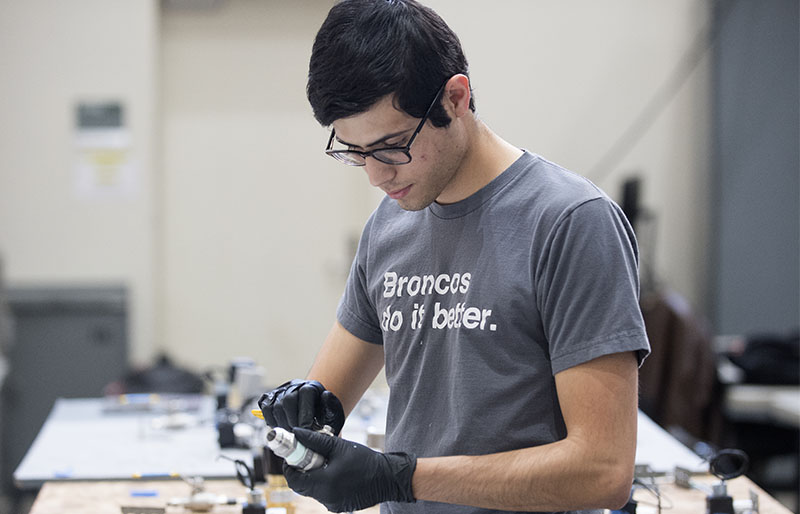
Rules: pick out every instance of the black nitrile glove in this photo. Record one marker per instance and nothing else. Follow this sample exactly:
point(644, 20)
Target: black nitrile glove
point(353, 477)
point(302, 403)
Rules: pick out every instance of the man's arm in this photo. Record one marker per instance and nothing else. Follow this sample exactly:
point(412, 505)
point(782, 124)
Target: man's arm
point(591, 468)
point(346, 365)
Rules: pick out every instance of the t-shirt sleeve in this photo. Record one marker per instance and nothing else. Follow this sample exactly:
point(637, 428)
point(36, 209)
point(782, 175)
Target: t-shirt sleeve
point(588, 287)
point(356, 311)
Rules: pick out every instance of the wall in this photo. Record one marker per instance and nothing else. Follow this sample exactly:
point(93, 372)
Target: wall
point(52, 55)
point(567, 78)
point(239, 238)
point(257, 218)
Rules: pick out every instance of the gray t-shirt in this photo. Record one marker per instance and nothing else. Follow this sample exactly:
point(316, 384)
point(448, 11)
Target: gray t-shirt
point(478, 305)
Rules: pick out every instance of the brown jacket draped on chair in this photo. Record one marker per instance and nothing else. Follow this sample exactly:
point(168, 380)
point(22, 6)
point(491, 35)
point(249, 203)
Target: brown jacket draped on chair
point(678, 384)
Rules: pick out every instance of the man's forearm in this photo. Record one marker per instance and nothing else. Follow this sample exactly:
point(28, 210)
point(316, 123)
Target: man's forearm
point(346, 366)
point(560, 476)
point(591, 468)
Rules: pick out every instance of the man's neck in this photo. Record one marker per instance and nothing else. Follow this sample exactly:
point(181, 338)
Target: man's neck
point(496, 154)
point(486, 157)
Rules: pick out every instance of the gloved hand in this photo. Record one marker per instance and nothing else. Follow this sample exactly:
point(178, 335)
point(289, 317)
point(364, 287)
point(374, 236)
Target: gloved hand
point(302, 403)
point(353, 477)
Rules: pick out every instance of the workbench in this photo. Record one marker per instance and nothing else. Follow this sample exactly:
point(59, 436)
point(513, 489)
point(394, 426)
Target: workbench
point(83, 439)
point(86, 454)
point(109, 497)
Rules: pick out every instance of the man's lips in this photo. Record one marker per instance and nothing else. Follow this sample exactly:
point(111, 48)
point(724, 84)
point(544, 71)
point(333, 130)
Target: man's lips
point(399, 193)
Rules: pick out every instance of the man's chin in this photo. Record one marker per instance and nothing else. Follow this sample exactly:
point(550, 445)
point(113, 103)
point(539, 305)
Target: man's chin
point(412, 206)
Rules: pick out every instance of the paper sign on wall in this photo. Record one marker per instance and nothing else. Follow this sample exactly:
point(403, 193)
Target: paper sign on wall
point(103, 165)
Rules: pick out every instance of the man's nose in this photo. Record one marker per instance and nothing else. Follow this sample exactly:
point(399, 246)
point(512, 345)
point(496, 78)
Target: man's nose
point(378, 172)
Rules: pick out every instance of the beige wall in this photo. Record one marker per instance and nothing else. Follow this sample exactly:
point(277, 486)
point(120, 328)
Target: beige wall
point(52, 55)
point(238, 241)
point(257, 217)
point(565, 78)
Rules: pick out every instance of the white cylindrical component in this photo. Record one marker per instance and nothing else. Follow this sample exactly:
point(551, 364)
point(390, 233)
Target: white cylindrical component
point(285, 445)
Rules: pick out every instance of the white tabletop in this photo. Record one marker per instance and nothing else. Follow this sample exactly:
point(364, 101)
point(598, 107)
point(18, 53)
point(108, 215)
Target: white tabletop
point(89, 439)
point(92, 439)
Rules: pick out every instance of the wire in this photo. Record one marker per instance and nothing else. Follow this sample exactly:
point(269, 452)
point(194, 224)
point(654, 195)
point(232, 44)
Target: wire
point(244, 473)
point(655, 491)
point(663, 95)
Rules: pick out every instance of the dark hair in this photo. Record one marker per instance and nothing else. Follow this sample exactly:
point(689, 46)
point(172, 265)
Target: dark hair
point(367, 49)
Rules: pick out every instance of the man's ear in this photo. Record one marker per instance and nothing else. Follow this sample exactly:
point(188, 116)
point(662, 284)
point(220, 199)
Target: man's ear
point(457, 94)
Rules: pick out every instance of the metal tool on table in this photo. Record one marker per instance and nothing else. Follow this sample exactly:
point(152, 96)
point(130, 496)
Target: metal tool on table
point(199, 499)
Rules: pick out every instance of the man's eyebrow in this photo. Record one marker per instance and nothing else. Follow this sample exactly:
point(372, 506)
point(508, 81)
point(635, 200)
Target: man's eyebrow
point(379, 141)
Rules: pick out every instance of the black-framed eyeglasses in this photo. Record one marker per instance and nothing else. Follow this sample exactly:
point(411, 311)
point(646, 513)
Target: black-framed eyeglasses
point(387, 155)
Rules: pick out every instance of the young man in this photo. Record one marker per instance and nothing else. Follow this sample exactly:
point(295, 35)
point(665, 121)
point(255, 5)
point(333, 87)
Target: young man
point(499, 290)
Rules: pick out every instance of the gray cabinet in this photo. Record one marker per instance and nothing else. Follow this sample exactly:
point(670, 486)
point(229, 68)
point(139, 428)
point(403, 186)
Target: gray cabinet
point(68, 342)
